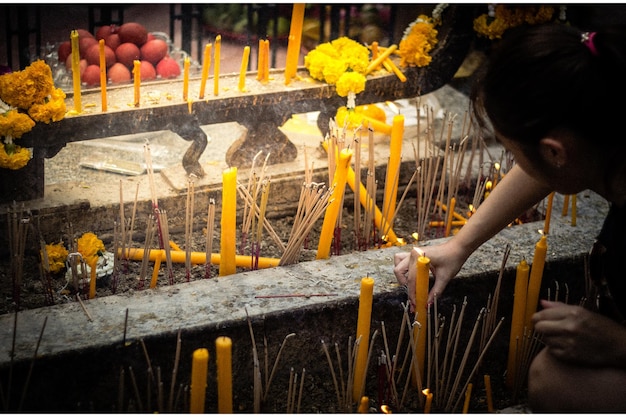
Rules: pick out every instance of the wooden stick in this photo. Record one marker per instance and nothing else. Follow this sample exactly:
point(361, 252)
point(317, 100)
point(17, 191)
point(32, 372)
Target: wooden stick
point(80, 301)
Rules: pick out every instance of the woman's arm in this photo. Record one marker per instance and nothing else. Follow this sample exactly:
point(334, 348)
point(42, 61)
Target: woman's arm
point(514, 194)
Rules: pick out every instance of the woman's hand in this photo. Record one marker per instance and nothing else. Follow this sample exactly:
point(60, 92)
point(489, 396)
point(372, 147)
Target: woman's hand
point(446, 261)
point(574, 334)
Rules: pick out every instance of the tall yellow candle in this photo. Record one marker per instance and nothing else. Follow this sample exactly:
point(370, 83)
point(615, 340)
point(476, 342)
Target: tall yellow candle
point(199, 367)
point(228, 222)
point(393, 166)
point(216, 65)
point(223, 348)
point(186, 78)
point(488, 394)
point(103, 75)
point(534, 283)
point(244, 69)
point(363, 332)
point(136, 80)
point(565, 205)
point(78, 107)
point(546, 224)
point(295, 39)
point(93, 279)
point(366, 202)
point(261, 61)
point(421, 301)
point(206, 63)
point(266, 65)
point(517, 320)
point(333, 209)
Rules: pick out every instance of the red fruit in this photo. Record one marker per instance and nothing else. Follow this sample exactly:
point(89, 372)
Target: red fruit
point(126, 53)
point(65, 50)
point(118, 73)
point(147, 71)
point(168, 68)
point(104, 31)
point(93, 55)
point(84, 33)
point(85, 43)
point(133, 32)
point(150, 37)
point(82, 64)
point(154, 50)
point(91, 76)
point(113, 41)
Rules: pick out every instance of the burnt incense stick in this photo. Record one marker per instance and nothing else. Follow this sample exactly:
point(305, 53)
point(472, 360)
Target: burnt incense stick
point(175, 371)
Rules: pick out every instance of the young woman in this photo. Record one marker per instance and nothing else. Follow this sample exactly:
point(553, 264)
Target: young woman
point(551, 95)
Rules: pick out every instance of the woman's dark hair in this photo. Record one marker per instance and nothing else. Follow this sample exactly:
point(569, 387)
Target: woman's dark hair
point(542, 79)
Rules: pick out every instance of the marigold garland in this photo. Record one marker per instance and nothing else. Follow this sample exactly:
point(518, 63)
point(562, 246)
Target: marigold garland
point(342, 61)
point(90, 247)
point(57, 255)
point(420, 37)
point(492, 25)
point(26, 97)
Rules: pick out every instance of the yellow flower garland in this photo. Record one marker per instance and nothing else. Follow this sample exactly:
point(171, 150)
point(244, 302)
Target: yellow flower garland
point(26, 97)
point(420, 38)
point(506, 17)
point(57, 255)
point(342, 62)
point(90, 247)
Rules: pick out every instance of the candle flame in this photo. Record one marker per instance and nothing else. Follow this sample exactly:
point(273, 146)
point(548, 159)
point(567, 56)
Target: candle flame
point(385, 409)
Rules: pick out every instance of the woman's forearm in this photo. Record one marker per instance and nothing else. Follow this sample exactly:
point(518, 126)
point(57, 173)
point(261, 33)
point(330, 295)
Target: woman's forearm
point(514, 194)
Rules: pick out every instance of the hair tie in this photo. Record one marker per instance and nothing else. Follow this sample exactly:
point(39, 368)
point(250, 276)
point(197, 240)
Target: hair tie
point(587, 39)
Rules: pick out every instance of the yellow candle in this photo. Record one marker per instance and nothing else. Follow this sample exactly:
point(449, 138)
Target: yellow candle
point(93, 279)
point(216, 65)
point(333, 209)
point(78, 107)
point(450, 215)
point(374, 50)
point(364, 405)
point(376, 125)
point(206, 63)
point(487, 379)
point(429, 400)
point(199, 369)
point(186, 78)
point(136, 80)
point(534, 283)
point(367, 202)
point(393, 166)
point(261, 61)
point(103, 76)
point(546, 224)
point(468, 396)
point(517, 320)
point(363, 332)
point(421, 301)
point(573, 209)
point(228, 222)
point(155, 271)
point(565, 205)
point(375, 63)
point(391, 67)
point(295, 39)
point(199, 258)
point(223, 348)
point(266, 66)
point(244, 69)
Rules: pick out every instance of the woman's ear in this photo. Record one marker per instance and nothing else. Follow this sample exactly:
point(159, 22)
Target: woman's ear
point(553, 152)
